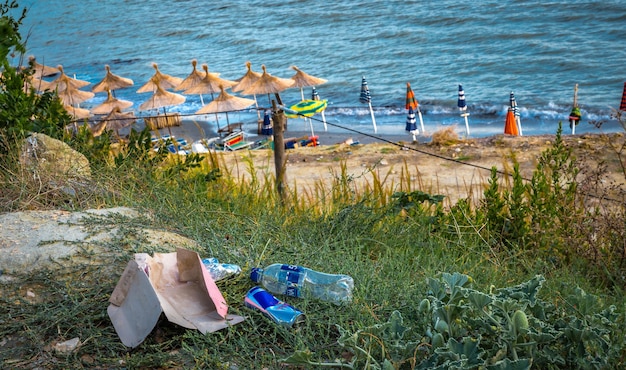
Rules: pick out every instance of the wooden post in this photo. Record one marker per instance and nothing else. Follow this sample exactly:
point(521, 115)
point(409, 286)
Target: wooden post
point(278, 117)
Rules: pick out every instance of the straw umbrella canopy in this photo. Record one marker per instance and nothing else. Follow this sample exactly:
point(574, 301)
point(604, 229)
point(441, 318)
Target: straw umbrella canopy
point(110, 104)
point(36, 83)
point(77, 113)
point(247, 80)
point(225, 103)
point(159, 79)
point(41, 70)
point(192, 79)
point(64, 81)
point(302, 79)
point(210, 83)
point(72, 96)
point(117, 119)
point(162, 99)
point(268, 84)
point(111, 82)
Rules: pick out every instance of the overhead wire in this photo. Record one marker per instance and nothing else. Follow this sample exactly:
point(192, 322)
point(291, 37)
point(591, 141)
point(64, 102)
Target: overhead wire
point(382, 139)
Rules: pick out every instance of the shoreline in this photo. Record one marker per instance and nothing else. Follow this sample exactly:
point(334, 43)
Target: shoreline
point(193, 131)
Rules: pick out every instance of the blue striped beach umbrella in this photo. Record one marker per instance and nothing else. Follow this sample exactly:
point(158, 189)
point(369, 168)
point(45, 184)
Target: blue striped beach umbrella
point(366, 98)
point(463, 108)
point(314, 94)
point(515, 109)
point(411, 123)
point(267, 128)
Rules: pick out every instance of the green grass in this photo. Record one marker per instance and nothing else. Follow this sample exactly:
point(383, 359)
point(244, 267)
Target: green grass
point(391, 249)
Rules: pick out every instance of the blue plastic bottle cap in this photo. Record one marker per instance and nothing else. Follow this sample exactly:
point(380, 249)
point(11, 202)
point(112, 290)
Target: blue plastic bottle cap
point(255, 274)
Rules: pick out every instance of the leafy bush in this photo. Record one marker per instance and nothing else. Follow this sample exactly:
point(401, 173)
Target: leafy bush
point(460, 327)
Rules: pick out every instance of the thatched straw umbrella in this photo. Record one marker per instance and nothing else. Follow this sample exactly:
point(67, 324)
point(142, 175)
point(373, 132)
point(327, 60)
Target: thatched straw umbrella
point(63, 81)
point(210, 84)
point(193, 79)
point(225, 103)
point(41, 70)
point(268, 84)
point(160, 79)
point(111, 82)
point(110, 104)
point(249, 78)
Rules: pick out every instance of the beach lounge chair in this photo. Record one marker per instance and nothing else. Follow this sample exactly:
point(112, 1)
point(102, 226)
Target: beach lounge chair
point(229, 129)
point(234, 141)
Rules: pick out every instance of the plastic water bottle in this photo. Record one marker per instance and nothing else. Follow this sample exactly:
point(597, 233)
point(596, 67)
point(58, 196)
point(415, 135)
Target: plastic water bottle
point(219, 271)
point(298, 281)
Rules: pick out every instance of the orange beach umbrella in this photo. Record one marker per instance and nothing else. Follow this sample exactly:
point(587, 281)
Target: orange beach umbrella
point(412, 103)
point(510, 124)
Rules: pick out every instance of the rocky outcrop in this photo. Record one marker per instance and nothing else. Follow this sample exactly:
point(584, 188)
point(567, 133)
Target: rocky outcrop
point(32, 240)
point(54, 164)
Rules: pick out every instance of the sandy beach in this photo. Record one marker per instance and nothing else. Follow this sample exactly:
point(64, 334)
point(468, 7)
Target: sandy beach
point(457, 169)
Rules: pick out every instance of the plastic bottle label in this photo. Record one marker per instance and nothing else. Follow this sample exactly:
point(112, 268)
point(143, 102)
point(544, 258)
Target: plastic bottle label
point(293, 275)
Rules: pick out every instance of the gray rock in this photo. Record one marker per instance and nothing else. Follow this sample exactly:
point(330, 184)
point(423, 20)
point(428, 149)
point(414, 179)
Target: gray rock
point(31, 240)
point(55, 164)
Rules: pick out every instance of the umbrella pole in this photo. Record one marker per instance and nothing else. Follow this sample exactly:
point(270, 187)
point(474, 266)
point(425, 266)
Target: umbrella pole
point(306, 119)
point(324, 120)
point(216, 117)
point(373, 119)
point(519, 125)
point(467, 126)
point(201, 99)
point(419, 114)
point(256, 104)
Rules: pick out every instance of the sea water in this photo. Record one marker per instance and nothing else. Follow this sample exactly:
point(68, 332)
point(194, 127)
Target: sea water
point(538, 50)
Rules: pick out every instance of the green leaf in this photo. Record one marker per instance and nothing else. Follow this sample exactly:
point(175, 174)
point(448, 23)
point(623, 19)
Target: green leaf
point(506, 364)
point(524, 292)
point(479, 300)
point(396, 329)
point(299, 358)
point(387, 365)
point(455, 280)
point(468, 349)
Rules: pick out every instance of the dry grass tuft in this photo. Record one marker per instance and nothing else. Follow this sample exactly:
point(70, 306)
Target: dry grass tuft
point(445, 137)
